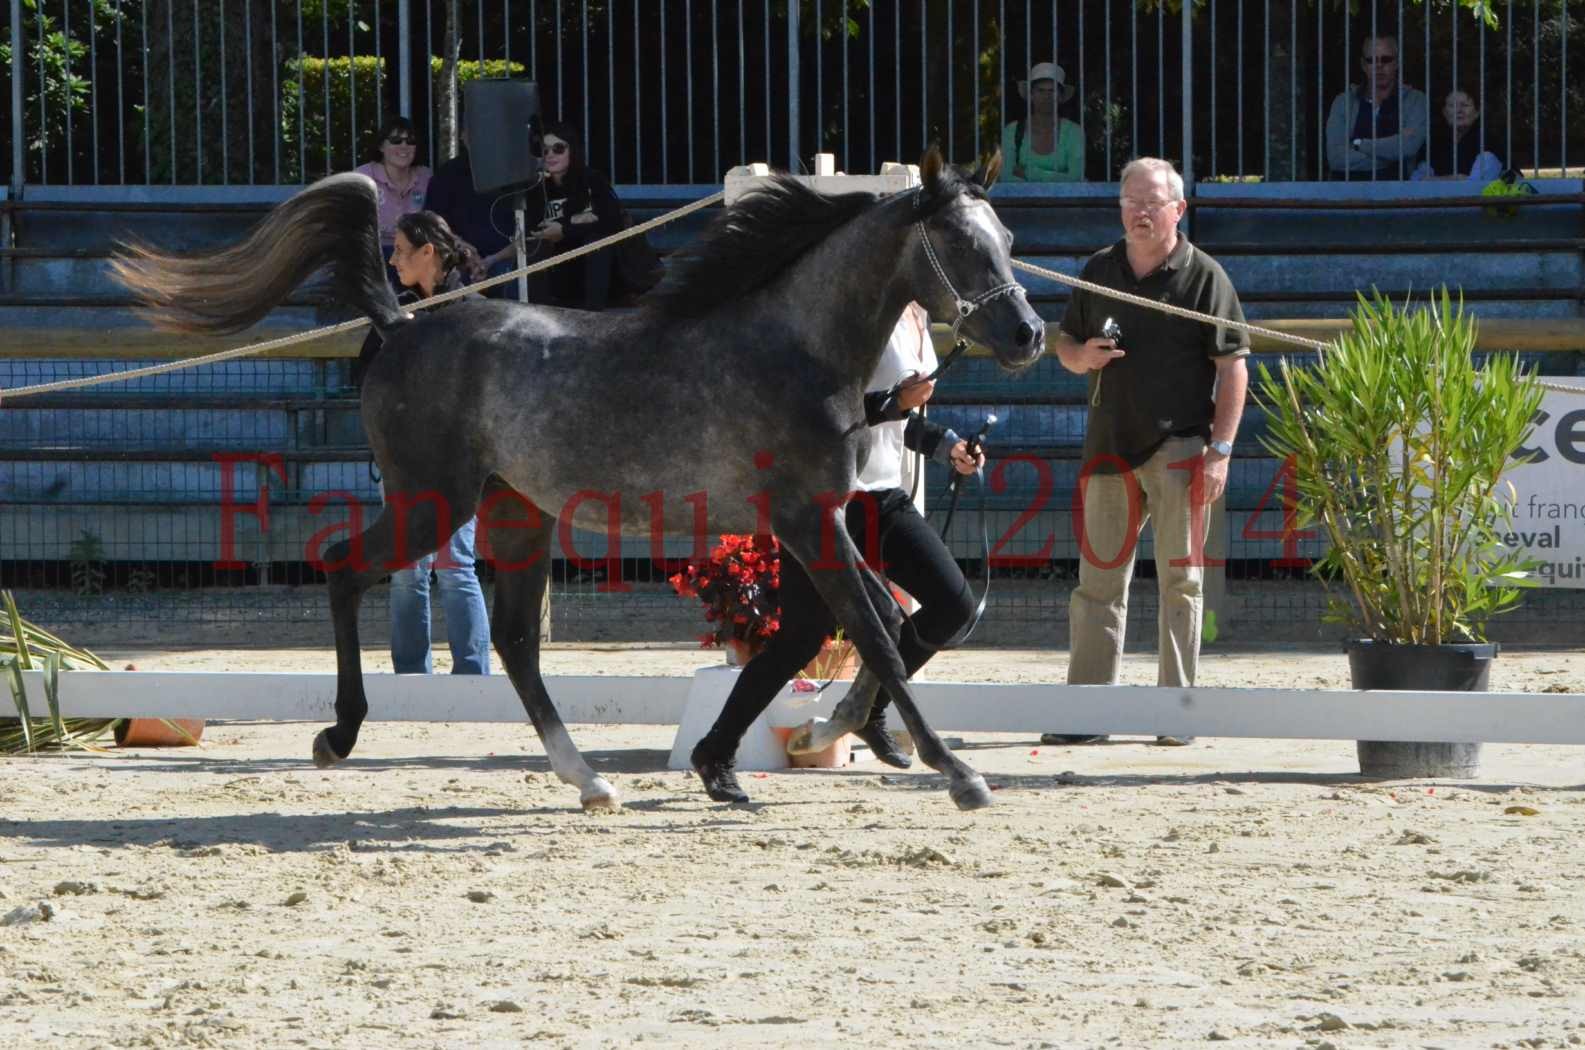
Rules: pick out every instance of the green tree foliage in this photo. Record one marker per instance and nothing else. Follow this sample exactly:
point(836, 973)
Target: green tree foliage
point(319, 98)
point(213, 96)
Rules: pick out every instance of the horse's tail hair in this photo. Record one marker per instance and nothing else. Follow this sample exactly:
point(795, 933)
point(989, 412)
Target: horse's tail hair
point(334, 223)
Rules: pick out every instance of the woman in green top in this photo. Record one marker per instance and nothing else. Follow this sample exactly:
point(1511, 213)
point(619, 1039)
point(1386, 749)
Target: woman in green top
point(1040, 146)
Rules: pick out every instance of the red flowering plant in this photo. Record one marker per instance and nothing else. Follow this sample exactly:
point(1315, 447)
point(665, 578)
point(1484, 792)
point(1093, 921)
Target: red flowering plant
point(737, 587)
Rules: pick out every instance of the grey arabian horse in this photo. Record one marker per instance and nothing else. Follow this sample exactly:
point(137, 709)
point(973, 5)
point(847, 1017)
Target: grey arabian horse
point(740, 377)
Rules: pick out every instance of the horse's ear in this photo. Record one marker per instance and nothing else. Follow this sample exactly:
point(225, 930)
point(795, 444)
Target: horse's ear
point(930, 168)
point(989, 170)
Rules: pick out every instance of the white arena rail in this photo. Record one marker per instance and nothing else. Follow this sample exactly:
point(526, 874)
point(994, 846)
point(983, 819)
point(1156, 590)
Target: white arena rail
point(1341, 714)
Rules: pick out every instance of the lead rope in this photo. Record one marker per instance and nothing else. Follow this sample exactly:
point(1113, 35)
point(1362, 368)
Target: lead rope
point(360, 322)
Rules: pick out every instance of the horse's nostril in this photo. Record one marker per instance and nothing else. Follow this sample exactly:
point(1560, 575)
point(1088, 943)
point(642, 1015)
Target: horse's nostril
point(1029, 335)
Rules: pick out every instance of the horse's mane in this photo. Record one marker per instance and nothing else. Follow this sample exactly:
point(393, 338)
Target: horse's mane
point(746, 245)
point(767, 230)
point(770, 227)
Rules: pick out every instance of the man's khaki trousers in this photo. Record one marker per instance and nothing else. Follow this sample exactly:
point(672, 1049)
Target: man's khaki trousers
point(1098, 609)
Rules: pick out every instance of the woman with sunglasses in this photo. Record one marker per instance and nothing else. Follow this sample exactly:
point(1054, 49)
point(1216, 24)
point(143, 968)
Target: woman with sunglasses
point(428, 258)
point(401, 183)
point(580, 207)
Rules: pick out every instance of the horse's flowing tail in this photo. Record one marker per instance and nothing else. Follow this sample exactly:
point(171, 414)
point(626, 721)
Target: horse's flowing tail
point(332, 223)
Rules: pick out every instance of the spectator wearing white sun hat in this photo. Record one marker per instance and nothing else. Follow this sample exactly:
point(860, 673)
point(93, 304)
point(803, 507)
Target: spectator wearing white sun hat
point(1040, 146)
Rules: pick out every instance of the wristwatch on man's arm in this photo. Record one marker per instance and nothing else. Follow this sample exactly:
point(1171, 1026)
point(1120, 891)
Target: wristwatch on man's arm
point(1224, 448)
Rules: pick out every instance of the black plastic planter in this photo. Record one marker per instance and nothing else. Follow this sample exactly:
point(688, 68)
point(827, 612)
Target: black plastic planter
point(1456, 667)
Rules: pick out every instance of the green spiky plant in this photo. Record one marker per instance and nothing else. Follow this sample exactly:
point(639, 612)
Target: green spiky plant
point(24, 647)
point(1399, 443)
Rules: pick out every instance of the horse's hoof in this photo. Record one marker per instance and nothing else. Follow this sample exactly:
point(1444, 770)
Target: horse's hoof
point(814, 736)
point(801, 742)
point(971, 793)
point(324, 755)
point(600, 797)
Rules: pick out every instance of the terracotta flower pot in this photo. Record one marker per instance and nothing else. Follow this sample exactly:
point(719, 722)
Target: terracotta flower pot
point(837, 659)
point(739, 652)
point(158, 732)
point(838, 756)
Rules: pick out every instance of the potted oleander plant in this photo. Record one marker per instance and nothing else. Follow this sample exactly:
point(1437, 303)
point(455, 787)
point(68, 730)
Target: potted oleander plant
point(1399, 443)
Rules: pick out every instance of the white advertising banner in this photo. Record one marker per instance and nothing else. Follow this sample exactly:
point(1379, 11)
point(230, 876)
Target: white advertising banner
point(1549, 476)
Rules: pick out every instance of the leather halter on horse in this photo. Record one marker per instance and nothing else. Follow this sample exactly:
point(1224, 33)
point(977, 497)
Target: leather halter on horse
point(965, 306)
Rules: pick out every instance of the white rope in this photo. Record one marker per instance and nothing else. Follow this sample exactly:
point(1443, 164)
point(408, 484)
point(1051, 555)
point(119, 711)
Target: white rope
point(1168, 308)
point(634, 231)
point(1195, 315)
point(355, 324)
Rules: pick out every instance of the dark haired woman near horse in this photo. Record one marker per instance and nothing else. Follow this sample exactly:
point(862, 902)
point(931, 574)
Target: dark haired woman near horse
point(882, 515)
point(428, 258)
point(757, 347)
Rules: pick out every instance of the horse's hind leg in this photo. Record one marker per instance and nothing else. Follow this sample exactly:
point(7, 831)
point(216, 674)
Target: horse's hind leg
point(358, 565)
point(855, 597)
point(522, 559)
point(354, 573)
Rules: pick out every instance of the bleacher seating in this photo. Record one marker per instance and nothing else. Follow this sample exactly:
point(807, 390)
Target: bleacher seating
point(91, 458)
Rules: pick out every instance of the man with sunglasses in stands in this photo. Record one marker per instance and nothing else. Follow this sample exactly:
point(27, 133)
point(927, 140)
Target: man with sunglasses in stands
point(1376, 130)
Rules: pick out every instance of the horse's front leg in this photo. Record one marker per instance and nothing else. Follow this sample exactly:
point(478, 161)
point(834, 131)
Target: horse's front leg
point(856, 597)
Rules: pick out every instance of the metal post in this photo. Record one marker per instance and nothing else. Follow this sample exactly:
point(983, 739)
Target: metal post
point(1188, 98)
point(404, 58)
point(520, 238)
point(18, 147)
point(793, 31)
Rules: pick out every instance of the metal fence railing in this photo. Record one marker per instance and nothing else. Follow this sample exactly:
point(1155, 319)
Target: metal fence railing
point(673, 91)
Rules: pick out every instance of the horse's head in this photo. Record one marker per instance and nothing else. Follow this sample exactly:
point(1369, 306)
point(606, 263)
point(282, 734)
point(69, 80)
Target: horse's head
point(965, 259)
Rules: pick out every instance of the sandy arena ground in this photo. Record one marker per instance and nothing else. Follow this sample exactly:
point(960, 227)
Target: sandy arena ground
point(442, 889)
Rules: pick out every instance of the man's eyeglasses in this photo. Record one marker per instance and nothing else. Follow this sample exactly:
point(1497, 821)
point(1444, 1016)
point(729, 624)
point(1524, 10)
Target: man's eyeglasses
point(1378, 60)
point(401, 140)
point(556, 148)
point(1136, 204)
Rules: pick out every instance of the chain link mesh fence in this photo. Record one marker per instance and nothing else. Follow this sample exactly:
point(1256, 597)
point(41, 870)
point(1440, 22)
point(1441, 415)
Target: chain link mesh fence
point(188, 508)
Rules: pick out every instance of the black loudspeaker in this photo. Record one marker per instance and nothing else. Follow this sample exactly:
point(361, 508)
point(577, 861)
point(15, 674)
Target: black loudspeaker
point(503, 133)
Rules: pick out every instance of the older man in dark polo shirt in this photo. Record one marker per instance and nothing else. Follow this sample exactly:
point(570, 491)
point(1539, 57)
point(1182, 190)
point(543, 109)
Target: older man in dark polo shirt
point(1165, 401)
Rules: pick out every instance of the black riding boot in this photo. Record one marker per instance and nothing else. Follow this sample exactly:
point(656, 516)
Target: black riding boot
point(718, 774)
point(880, 741)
